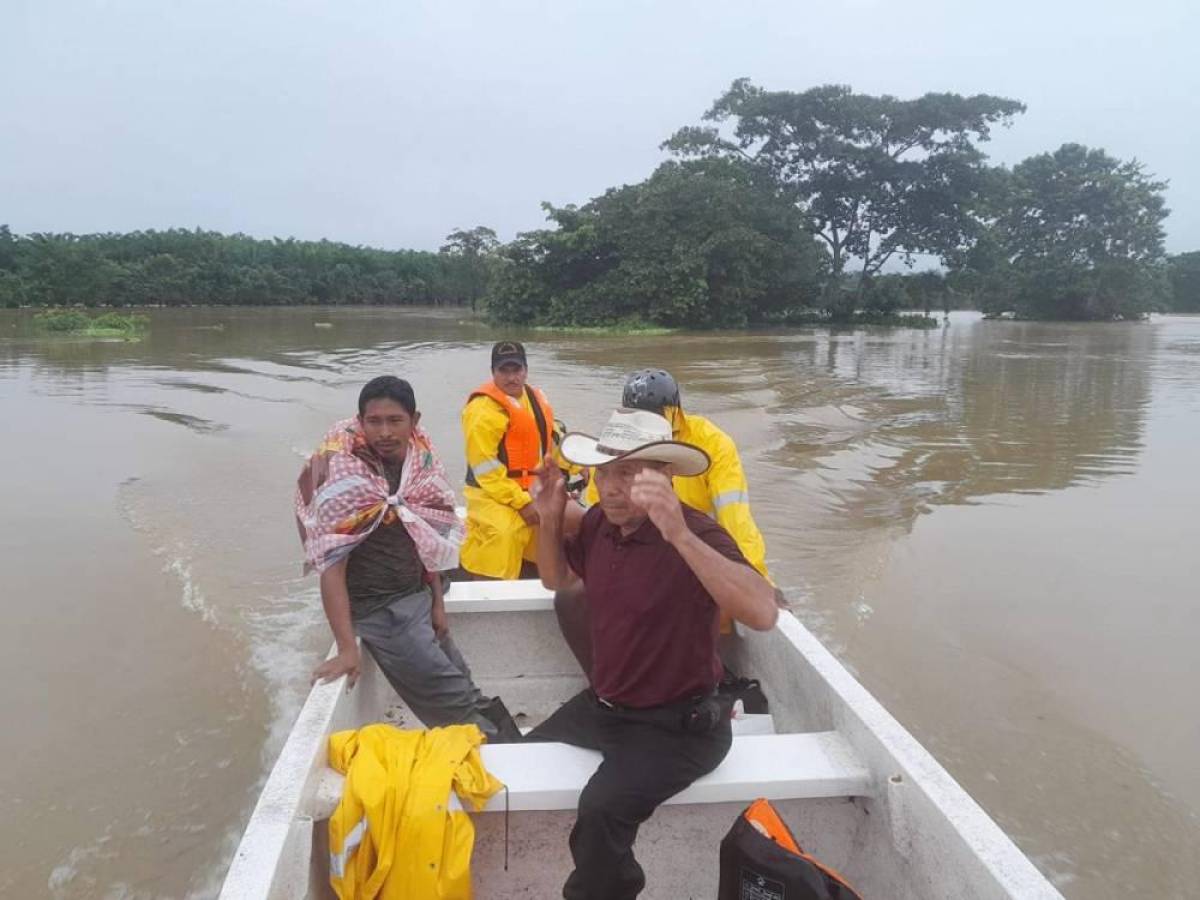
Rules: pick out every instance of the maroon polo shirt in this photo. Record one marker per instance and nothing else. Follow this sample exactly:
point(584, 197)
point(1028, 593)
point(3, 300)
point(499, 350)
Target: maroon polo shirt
point(654, 626)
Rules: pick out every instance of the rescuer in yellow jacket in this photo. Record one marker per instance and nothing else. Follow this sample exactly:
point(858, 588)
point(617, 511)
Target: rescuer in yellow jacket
point(393, 835)
point(508, 426)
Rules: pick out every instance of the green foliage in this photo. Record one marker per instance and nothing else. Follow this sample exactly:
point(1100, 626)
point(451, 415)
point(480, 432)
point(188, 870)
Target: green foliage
point(730, 236)
point(874, 178)
point(64, 320)
point(885, 296)
point(77, 322)
point(1183, 270)
point(474, 265)
point(930, 290)
point(180, 267)
point(114, 321)
point(12, 290)
point(476, 242)
point(8, 256)
point(699, 244)
point(1078, 235)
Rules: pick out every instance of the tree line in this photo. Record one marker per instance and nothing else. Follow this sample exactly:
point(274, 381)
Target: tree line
point(180, 267)
point(794, 206)
point(780, 207)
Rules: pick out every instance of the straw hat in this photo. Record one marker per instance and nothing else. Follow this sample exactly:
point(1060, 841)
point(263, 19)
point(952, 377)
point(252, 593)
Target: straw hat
point(635, 434)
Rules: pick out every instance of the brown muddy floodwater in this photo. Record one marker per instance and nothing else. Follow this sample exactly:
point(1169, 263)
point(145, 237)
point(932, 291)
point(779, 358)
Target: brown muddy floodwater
point(994, 524)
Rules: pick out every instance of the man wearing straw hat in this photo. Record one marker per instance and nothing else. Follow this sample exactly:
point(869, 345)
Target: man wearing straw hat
point(657, 575)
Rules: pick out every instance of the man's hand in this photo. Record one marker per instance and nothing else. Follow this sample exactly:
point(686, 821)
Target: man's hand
point(549, 492)
point(529, 514)
point(441, 624)
point(345, 663)
point(652, 491)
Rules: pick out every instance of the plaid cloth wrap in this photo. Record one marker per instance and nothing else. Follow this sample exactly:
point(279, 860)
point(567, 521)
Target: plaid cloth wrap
point(341, 497)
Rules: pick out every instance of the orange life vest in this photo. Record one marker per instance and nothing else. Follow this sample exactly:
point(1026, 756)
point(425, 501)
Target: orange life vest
point(529, 436)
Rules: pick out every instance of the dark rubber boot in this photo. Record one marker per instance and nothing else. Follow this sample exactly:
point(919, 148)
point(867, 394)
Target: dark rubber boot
point(507, 731)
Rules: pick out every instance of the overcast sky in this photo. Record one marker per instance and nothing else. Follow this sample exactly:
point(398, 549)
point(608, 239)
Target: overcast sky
point(392, 122)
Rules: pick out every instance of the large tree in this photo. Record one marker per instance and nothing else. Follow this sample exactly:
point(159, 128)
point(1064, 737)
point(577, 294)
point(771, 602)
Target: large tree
point(1079, 236)
point(698, 243)
point(875, 178)
point(475, 249)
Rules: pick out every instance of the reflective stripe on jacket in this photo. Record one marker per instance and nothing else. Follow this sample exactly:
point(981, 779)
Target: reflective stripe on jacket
point(506, 437)
point(393, 836)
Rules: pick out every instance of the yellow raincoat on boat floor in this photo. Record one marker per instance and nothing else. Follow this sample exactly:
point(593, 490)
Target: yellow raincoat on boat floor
point(393, 835)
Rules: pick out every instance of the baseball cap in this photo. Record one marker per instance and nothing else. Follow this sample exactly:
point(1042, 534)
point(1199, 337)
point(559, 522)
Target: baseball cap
point(507, 352)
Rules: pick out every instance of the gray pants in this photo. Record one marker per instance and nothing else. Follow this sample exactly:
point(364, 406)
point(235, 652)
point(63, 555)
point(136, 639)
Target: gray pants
point(431, 676)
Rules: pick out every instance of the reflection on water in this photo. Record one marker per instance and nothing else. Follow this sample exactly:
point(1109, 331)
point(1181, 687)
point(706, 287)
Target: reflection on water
point(990, 522)
point(957, 416)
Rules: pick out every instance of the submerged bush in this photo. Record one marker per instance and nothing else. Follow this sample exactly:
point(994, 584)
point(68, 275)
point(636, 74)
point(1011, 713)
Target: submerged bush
point(68, 320)
point(77, 322)
point(121, 322)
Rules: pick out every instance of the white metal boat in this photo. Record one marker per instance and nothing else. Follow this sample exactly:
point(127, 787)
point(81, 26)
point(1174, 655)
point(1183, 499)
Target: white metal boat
point(857, 789)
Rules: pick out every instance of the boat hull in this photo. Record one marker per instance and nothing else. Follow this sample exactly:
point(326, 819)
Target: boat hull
point(915, 834)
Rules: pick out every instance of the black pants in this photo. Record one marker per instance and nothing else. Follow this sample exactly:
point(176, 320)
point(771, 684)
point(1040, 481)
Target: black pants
point(648, 757)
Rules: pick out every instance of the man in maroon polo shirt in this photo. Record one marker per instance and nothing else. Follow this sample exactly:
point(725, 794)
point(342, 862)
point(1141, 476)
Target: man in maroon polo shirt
point(656, 575)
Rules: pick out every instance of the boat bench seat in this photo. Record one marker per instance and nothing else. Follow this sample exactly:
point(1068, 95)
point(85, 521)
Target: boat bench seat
point(498, 596)
point(549, 776)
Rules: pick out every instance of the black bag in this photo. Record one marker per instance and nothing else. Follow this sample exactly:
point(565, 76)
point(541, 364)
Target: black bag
point(748, 690)
point(757, 867)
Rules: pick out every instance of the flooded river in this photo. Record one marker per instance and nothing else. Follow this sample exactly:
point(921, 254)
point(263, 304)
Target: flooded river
point(993, 524)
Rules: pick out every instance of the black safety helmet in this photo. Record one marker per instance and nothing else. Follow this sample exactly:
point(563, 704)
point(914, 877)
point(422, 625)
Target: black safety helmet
point(651, 390)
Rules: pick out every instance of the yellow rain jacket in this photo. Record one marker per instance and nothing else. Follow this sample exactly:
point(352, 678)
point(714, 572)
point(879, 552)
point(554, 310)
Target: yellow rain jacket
point(393, 836)
point(721, 492)
point(497, 538)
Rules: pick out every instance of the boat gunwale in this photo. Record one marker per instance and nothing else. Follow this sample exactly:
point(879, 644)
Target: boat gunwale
point(281, 810)
point(863, 721)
